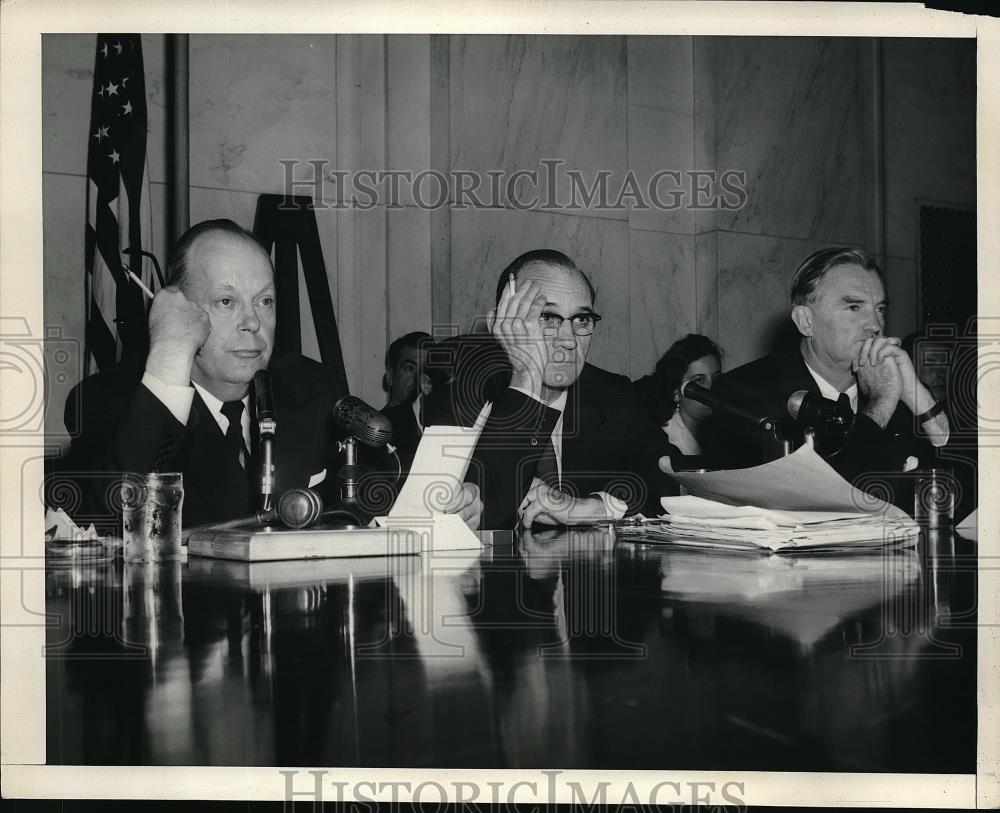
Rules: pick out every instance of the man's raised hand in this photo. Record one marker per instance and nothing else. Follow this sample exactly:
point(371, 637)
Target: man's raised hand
point(178, 327)
point(514, 323)
point(880, 383)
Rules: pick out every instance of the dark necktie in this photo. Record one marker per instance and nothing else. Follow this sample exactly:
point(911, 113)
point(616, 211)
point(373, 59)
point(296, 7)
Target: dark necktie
point(233, 410)
point(548, 469)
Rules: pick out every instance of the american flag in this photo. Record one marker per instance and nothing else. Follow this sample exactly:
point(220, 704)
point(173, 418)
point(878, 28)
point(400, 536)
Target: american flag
point(118, 215)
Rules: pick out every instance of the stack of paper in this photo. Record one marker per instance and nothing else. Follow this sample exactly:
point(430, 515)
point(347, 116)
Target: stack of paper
point(796, 503)
point(705, 523)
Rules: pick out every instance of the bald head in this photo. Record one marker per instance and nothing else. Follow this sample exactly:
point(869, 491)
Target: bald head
point(539, 261)
point(209, 236)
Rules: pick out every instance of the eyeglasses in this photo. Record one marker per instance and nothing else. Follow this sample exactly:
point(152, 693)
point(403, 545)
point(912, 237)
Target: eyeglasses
point(583, 324)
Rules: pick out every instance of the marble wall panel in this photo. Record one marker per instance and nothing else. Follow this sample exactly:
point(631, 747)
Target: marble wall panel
point(901, 284)
point(661, 73)
point(788, 116)
point(408, 107)
point(517, 100)
point(661, 142)
point(484, 242)
point(663, 295)
point(255, 100)
point(754, 276)
point(67, 87)
point(930, 132)
point(63, 287)
point(408, 271)
point(706, 263)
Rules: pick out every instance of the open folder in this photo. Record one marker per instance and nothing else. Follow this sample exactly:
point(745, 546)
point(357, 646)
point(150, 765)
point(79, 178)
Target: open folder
point(795, 503)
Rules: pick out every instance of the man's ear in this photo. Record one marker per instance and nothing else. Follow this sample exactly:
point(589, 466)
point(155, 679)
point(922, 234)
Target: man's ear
point(387, 380)
point(802, 316)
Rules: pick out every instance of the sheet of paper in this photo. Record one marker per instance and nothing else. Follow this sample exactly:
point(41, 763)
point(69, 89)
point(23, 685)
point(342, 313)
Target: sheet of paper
point(744, 515)
point(802, 481)
point(438, 469)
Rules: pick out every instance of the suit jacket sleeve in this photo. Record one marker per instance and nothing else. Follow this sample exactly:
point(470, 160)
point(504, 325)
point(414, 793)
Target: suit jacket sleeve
point(116, 425)
point(647, 444)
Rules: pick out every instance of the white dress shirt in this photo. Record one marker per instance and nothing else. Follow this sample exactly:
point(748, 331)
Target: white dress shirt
point(178, 399)
point(830, 392)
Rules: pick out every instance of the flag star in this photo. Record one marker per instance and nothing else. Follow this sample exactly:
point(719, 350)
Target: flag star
point(101, 134)
point(127, 108)
point(100, 91)
point(114, 156)
point(104, 50)
point(125, 81)
point(118, 47)
point(104, 132)
point(112, 89)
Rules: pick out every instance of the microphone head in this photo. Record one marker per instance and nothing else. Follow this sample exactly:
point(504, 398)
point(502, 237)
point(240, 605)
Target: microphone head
point(263, 395)
point(362, 421)
point(795, 401)
point(299, 507)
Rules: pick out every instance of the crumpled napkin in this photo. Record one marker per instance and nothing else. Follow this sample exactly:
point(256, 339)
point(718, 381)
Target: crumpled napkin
point(60, 528)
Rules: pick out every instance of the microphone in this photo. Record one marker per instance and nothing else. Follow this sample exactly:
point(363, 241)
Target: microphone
point(705, 396)
point(814, 410)
point(297, 508)
point(263, 393)
point(303, 507)
point(363, 422)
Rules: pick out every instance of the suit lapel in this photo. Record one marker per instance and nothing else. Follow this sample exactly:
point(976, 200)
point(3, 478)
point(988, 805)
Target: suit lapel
point(582, 419)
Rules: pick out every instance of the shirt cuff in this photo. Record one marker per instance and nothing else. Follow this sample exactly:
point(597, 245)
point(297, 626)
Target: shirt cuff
point(175, 397)
point(613, 507)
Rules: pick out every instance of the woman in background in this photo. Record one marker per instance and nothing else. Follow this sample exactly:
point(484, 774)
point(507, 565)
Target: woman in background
point(693, 358)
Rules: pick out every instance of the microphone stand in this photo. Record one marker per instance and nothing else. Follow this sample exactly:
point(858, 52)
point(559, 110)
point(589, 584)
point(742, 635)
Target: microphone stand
point(267, 429)
point(775, 430)
point(349, 471)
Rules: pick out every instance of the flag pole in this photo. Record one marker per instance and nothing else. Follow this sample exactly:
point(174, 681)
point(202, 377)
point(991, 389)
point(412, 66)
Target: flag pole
point(179, 148)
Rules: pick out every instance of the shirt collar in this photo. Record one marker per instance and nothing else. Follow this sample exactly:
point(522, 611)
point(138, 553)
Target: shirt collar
point(214, 404)
point(830, 392)
point(559, 405)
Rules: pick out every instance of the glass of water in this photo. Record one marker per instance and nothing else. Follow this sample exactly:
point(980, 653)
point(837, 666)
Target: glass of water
point(151, 516)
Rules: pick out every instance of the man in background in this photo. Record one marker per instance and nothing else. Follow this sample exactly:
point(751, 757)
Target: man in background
point(406, 383)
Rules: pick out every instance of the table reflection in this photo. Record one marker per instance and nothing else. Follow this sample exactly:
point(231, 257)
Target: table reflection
point(563, 649)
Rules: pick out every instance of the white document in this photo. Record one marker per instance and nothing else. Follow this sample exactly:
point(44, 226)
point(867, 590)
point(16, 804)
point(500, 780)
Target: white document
point(802, 481)
point(795, 503)
point(435, 478)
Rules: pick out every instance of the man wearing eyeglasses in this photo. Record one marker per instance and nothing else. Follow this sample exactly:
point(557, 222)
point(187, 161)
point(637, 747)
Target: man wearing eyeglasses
point(565, 442)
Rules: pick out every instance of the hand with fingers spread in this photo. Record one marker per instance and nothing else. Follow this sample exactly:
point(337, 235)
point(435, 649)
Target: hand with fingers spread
point(880, 384)
point(550, 506)
point(178, 328)
point(514, 323)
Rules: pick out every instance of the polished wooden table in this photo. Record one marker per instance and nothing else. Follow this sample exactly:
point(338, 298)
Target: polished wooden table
point(559, 650)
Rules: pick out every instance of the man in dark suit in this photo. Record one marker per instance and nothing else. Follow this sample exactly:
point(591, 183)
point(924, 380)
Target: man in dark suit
point(838, 305)
point(565, 442)
point(406, 383)
point(186, 406)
